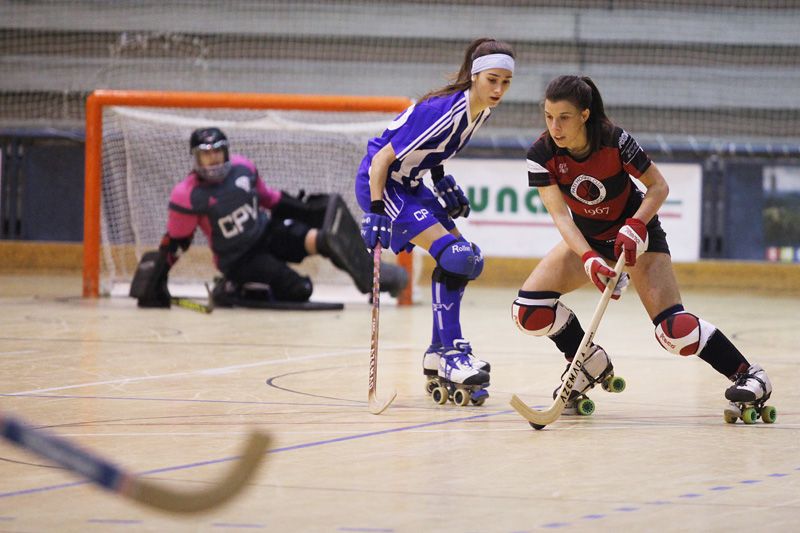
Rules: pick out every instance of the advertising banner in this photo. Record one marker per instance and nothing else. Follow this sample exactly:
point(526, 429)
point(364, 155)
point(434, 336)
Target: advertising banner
point(508, 218)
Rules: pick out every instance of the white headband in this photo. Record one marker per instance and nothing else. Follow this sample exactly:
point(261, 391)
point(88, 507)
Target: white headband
point(503, 61)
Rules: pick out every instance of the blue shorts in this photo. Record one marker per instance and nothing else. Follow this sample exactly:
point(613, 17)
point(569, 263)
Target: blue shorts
point(412, 210)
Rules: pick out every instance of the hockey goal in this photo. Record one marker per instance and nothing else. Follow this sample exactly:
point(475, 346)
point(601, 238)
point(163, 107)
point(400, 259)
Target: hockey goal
point(137, 149)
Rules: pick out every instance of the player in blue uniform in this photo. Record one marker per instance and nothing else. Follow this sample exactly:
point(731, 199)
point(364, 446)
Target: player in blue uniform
point(253, 230)
point(582, 166)
point(402, 212)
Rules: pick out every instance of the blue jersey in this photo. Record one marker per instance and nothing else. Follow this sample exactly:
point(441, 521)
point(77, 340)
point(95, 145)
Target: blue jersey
point(425, 135)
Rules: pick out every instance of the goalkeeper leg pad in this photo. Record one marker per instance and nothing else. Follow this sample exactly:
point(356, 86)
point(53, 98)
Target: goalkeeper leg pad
point(149, 285)
point(339, 240)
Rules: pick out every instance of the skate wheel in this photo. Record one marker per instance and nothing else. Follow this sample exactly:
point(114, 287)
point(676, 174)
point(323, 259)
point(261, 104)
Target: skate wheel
point(461, 397)
point(730, 418)
point(614, 384)
point(430, 385)
point(769, 414)
point(749, 416)
point(537, 427)
point(585, 407)
point(440, 395)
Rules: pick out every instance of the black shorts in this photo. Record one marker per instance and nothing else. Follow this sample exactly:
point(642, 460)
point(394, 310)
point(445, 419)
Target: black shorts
point(283, 240)
point(657, 242)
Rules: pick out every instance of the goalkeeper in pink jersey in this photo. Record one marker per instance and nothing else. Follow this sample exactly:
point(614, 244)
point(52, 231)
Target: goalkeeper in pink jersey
point(253, 231)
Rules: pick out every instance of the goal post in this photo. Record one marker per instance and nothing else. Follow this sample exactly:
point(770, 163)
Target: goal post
point(100, 101)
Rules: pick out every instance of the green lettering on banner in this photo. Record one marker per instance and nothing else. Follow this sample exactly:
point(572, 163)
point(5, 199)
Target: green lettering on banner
point(534, 202)
point(476, 205)
point(506, 192)
point(507, 199)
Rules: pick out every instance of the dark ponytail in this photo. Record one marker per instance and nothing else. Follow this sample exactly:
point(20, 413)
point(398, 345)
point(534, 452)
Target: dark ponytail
point(581, 92)
point(463, 80)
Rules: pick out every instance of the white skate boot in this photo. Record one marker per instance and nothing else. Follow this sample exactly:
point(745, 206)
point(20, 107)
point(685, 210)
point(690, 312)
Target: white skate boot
point(456, 377)
point(748, 395)
point(597, 368)
point(430, 360)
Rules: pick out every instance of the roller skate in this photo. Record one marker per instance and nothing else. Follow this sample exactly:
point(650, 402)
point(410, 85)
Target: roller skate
point(748, 395)
point(456, 377)
point(597, 368)
point(430, 361)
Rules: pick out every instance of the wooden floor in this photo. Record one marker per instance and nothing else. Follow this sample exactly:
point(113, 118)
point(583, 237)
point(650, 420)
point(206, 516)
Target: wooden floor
point(175, 392)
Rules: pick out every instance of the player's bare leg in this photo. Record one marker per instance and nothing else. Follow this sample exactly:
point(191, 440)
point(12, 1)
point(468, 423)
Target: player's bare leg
point(538, 311)
point(685, 334)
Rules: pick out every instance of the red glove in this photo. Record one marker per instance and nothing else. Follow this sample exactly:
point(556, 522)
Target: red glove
point(600, 274)
point(632, 240)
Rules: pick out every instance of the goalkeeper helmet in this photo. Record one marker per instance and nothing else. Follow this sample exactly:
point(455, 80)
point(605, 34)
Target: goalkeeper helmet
point(208, 140)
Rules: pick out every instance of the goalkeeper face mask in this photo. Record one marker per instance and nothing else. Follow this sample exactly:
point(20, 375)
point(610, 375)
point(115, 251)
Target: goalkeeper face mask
point(211, 161)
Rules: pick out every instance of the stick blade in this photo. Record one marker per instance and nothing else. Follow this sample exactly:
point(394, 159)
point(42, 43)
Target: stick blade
point(540, 418)
point(376, 407)
point(175, 501)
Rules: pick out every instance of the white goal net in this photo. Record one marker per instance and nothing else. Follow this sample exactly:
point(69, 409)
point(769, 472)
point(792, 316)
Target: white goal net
point(145, 153)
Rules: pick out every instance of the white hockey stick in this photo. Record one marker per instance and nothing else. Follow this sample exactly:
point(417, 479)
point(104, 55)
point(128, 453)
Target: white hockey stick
point(115, 479)
point(376, 407)
point(538, 419)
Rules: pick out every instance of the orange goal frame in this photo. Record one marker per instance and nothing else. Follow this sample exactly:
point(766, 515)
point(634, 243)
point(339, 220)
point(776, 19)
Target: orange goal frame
point(94, 153)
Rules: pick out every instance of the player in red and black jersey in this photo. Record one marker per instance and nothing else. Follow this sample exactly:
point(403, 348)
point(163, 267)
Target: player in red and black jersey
point(582, 166)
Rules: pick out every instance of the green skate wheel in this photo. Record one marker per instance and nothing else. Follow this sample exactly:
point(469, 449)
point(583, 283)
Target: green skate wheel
point(730, 418)
point(440, 395)
point(749, 416)
point(615, 384)
point(769, 414)
point(585, 407)
point(461, 397)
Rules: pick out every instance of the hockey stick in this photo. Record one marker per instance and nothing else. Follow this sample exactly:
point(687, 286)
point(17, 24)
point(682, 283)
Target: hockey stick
point(538, 419)
point(113, 478)
point(192, 305)
point(375, 406)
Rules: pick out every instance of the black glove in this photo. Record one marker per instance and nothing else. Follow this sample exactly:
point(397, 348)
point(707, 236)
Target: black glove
point(307, 209)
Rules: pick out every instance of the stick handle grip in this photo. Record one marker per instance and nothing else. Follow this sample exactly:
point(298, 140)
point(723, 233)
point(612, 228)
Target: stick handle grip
point(62, 452)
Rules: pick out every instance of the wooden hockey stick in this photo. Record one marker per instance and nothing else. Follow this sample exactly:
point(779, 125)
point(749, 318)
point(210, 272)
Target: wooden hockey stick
point(376, 407)
point(538, 419)
point(113, 478)
point(187, 303)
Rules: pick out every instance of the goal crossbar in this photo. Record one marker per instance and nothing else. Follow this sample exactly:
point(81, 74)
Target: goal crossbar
point(99, 99)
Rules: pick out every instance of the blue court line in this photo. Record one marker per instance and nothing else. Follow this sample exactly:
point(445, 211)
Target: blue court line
point(690, 495)
point(49, 488)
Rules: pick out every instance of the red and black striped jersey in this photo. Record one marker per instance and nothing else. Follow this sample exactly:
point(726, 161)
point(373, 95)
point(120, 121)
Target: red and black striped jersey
point(598, 190)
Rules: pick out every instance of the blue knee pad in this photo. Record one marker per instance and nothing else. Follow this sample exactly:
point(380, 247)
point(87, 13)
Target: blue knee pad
point(478, 268)
point(456, 259)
